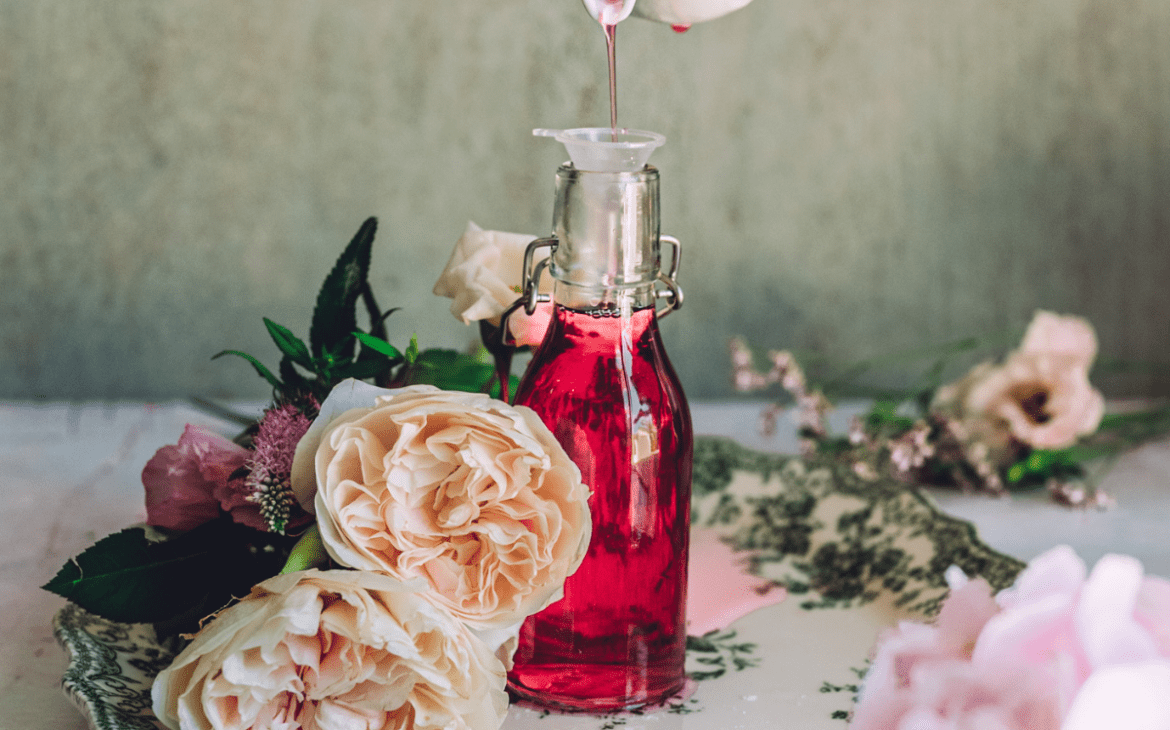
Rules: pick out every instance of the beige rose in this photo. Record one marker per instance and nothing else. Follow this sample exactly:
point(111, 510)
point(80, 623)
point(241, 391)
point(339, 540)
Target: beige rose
point(472, 494)
point(483, 278)
point(1040, 394)
point(333, 650)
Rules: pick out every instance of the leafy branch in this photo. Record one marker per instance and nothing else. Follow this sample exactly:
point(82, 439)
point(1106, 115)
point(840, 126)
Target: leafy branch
point(338, 349)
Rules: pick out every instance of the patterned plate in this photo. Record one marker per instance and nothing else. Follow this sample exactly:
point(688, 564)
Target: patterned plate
point(856, 556)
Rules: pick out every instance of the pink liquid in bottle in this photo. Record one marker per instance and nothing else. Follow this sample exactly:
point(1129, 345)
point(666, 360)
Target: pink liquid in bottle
point(604, 386)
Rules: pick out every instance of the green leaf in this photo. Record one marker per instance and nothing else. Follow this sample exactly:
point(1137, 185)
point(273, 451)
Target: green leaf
point(412, 350)
point(264, 372)
point(335, 317)
point(377, 344)
point(451, 370)
point(289, 344)
point(309, 552)
point(363, 369)
point(293, 380)
point(129, 579)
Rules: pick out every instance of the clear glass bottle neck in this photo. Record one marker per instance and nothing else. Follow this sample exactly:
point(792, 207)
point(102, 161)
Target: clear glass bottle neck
point(604, 301)
point(607, 226)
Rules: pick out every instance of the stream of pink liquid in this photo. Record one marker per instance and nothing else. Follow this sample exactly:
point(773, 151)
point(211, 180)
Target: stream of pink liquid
point(611, 55)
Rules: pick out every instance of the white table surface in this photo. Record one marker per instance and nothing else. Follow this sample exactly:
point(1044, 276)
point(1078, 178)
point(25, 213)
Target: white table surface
point(69, 475)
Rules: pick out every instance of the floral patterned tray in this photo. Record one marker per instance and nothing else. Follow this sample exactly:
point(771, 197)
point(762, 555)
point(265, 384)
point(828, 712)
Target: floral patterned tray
point(856, 556)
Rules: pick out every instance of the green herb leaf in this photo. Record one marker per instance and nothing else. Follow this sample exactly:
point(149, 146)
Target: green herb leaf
point(264, 372)
point(127, 578)
point(451, 370)
point(377, 344)
point(412, 350)
point(289, 344)
point(334, 317)
point(362, 369)
point(293, 380)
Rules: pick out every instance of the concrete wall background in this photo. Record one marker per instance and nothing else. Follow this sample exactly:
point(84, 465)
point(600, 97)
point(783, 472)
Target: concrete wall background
point(848, 177)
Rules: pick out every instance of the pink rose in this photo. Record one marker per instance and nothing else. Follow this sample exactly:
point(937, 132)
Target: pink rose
point(1050, 652)
point(189, 483)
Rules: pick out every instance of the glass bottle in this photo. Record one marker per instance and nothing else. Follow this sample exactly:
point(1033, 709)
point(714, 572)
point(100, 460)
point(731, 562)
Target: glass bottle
point(601, 381)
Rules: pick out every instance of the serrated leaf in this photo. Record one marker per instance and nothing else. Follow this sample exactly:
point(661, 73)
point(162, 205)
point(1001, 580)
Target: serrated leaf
point(289, 344)
point(259, 366)
point(335, 317)
point(129, 579)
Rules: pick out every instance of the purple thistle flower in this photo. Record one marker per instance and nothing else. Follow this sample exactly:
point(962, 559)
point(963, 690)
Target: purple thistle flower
point(270, 465)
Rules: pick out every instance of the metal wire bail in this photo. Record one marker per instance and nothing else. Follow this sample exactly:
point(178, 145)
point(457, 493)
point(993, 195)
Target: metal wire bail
point(673, 292)
point(530, 295)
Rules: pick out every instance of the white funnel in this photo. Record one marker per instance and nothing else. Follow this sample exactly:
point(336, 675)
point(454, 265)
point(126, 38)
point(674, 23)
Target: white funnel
point(601, 149)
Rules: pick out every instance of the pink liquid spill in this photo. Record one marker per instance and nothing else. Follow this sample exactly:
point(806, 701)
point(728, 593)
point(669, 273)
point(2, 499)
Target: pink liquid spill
point(605, 387)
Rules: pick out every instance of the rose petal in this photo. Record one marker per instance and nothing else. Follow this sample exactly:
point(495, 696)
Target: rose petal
point(1132, 696)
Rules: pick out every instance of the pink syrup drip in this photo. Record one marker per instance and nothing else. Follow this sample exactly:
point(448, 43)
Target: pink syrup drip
point(681, 27)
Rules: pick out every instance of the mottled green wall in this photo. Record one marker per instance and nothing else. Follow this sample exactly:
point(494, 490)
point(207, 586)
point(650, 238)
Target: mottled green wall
point(848, 176)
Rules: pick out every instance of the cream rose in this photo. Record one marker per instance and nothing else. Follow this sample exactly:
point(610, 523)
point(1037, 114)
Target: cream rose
point(483, 277)
point(472, 494)
point(1040, 394)
point(333, 650)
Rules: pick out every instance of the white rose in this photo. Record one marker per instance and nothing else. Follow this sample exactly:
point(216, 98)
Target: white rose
point(483, 278)
point(333, 650)
point(472, 494)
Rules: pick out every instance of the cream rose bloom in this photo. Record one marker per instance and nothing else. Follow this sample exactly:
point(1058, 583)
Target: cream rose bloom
point(483, 277)
point(334, 650)
point(1040, 394)
point(472, 494)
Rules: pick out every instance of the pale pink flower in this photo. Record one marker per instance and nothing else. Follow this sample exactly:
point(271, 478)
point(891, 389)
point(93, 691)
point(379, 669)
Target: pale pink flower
point(270, 466)
point(189, 483)
point(1040, 395)
point(483, 278)
point(1046, 653)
